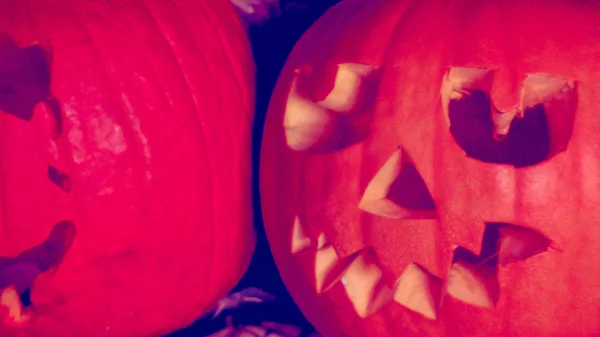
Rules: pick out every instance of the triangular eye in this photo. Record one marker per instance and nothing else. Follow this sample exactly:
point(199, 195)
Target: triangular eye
point(398, 191)
point(340, 119)
point(537, 128)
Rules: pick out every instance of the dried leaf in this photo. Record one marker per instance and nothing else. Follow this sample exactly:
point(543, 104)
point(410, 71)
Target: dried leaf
point(252, 331)
point(285, 330)
point(238, 299)
point(519, 243)
point(227, 332)
point(267, 329)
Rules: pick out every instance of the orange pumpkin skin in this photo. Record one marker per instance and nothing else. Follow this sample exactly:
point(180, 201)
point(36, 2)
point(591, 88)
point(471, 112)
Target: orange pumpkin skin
point(138, 146)
point(399, 202)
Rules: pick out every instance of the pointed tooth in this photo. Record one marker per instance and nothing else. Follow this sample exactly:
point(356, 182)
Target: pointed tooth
point(306, 123)
point(301, 242)
point(418, 291)
point(321, 241)
point(467, 286)
point(363, 281)
point(329, 267)
point(325, 262)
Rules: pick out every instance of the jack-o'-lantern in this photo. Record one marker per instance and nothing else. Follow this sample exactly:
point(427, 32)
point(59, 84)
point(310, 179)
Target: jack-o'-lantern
point(432, 168)
point(125, 132)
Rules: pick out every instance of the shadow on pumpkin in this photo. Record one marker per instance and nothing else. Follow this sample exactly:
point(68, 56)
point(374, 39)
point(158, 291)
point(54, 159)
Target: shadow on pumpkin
point(271, 44)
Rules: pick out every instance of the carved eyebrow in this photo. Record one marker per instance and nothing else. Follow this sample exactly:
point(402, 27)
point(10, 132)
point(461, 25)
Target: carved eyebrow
point(536, 129)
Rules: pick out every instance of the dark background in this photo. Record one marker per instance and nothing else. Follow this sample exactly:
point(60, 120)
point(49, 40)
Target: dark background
point(271, 44)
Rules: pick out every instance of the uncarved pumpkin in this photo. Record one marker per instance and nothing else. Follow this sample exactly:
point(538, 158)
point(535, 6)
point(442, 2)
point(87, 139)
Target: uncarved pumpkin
point(125, 131)
point(432, 168)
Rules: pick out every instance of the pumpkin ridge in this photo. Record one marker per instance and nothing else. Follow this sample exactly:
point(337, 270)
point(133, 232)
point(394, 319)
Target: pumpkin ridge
point(161, 32)
point(237, 74)
point(228, 50)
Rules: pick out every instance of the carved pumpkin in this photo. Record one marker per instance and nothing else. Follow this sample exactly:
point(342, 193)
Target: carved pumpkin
point(125, 132)
point(432, 168)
